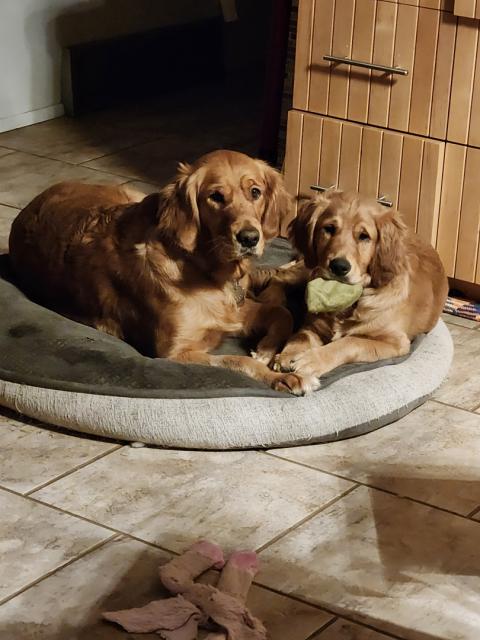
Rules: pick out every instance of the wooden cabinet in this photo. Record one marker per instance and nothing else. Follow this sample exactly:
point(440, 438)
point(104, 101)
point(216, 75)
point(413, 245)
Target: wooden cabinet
point(459, 220)
point(401, 171)
point(406, 130)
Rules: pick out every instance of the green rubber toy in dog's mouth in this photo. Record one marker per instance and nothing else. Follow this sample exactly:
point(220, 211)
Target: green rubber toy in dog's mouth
point(326, 296)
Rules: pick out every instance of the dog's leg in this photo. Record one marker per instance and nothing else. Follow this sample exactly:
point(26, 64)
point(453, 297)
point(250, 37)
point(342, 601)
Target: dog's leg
point(304, 340)
point(274, 322)
point(313, 363)
point(243, 364)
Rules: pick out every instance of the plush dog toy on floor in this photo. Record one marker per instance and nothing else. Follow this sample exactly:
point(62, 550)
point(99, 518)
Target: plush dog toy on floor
point(219, 609)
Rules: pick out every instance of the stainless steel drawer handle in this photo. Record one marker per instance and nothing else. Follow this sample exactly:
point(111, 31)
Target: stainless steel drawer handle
point(381, 200)
point(366, 65)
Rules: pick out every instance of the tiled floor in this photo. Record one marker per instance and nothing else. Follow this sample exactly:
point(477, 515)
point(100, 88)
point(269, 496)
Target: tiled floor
point(366, 539)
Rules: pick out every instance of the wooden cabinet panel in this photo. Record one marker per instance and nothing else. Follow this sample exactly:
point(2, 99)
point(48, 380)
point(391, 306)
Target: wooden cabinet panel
point(467, 8)
point(409, 36)
point(463, 81)
point(405, 170)
point(383, 49)
point(405, 41)
point(459, 219)
point(362, 49)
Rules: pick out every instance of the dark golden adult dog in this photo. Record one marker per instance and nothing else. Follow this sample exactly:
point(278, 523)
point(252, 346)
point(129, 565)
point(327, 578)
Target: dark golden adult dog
point(346, 237)
point(169, 272)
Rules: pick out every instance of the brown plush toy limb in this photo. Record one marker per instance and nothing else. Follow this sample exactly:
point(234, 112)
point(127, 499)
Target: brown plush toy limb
point(178, 574)
point(173, 619)
point(236, 579)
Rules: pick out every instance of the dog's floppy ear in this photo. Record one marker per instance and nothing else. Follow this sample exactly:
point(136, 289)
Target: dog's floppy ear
point(302, 228)
point(389, 259)
point(278, 202)
point(179, 217)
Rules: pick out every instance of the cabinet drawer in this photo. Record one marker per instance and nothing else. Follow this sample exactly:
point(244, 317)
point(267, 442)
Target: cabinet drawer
point(415, 41)
point(400, 169)
point(459, 219)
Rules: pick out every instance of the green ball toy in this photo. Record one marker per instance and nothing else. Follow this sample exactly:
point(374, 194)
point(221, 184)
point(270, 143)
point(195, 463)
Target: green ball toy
point(326, 296)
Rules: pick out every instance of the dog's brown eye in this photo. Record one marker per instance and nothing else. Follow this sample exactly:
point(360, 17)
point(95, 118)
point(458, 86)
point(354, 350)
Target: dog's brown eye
point(256, 193)
point(216, 196)
point(330, 229)
point(364, 236)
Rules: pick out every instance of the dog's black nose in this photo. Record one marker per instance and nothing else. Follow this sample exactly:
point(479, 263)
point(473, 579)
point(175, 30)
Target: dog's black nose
point(340, 266)
point(248, 237)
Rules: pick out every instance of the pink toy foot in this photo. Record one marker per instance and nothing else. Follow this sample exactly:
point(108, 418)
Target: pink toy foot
point(238, 574)
point(178, 574)
point(210, 550)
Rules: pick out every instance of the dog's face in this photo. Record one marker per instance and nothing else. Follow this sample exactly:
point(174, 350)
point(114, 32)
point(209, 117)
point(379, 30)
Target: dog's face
point(237, 203)
point(348, 238)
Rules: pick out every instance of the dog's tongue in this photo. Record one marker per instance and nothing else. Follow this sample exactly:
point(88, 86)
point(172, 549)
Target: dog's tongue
point(327, 296)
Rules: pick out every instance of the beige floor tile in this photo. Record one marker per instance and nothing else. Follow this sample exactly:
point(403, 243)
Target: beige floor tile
point(30, 456)
point(344, 630)
point(462, 388)
point(461, 322)
point(430, 455)
point(7, 216)
point(23, 176)
point(35, 540)
point(144, 187)
point(174, 497)
point(122, 574)
point(4, 152)
point(77, 140)
point(156, 162)
point(284, 618)
point(394, 564)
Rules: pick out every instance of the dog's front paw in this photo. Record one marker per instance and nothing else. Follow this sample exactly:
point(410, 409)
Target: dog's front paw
point(283, 362)
point(265, 356)
point(296, 384)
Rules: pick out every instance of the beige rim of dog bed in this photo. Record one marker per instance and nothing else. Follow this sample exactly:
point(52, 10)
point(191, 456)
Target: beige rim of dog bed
point(70, 375)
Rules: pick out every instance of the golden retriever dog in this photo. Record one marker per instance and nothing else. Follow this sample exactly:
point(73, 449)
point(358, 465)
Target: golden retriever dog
point(167, 273)
point(346, 237)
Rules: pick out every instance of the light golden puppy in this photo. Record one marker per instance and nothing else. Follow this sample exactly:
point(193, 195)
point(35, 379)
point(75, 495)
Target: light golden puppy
point(346, 237)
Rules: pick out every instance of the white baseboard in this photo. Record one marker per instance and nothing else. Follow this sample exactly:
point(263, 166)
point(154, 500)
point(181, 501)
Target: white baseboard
point(31, 117)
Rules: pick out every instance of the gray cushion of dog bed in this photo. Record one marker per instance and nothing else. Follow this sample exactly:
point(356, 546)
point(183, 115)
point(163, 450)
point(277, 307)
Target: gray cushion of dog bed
point(41, 348)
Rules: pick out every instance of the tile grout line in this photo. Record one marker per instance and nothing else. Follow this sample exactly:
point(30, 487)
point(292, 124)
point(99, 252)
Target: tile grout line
point(89, 520)
point(462, 326)
point(454, 406)
point(474, 513)
point(73, 164)
point(114, 448)
point(326, 609)
point(81, 164)
point(81, 555)
point(10, 206)
point(131, 146)
point(371, 486)
point(321, 629)
point(301, 522)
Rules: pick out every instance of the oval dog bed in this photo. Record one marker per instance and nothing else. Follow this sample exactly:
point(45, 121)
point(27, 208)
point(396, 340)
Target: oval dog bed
point(73, 376)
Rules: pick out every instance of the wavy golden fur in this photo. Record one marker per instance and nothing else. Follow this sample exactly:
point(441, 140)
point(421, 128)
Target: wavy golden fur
point(405, 286)
point(163, 272)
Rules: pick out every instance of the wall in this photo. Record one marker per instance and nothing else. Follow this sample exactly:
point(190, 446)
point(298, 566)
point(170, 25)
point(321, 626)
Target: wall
point(34, 32)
